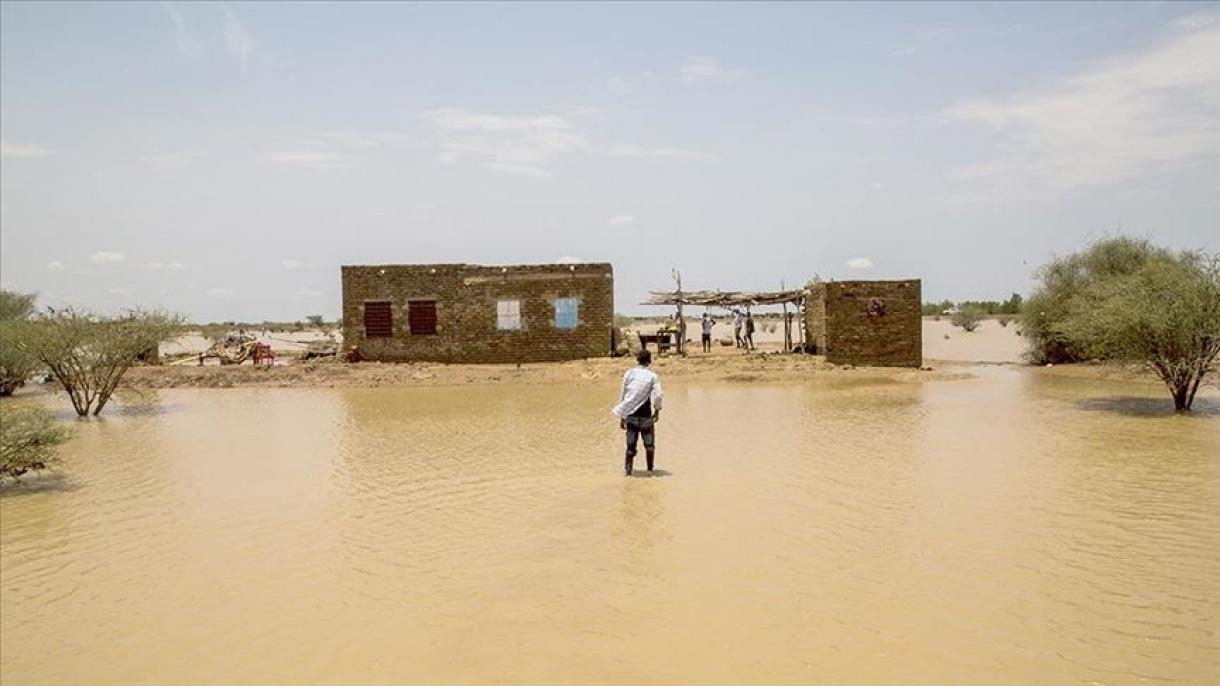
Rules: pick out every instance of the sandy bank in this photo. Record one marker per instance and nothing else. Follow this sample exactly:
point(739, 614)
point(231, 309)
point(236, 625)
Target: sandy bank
point(727, 368)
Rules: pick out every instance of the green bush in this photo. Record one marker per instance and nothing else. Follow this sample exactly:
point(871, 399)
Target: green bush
point(89, 354)
point(1062, 280)
point(15, 364)
point(1165, 313)
point(968, 318)
point(28, 437)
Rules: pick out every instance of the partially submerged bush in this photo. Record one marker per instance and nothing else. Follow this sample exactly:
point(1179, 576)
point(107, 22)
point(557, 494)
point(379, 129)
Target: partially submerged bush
point(28, 437)
point(89, 354)
point(1165, 313)
point(1062, 280)
point(15, 364)
point(968, 318)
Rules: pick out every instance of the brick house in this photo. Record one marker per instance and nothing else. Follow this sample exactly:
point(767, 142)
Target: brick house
point(868, 323)
point(470, 313)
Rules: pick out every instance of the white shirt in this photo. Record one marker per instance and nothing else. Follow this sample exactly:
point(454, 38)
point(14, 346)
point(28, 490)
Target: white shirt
point(639, 384)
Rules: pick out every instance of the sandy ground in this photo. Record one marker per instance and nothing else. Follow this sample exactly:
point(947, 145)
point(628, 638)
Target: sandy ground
point(948, 354)
point(942, 341)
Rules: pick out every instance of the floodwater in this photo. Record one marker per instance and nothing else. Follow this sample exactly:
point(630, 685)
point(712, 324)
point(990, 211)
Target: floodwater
point(1008, 529)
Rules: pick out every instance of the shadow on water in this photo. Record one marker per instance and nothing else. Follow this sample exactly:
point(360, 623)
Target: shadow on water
point(655, 474)
point(49, 482)
point(1132, 406)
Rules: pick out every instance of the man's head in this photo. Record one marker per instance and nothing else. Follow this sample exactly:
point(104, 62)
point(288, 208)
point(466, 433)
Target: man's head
point(644, 357)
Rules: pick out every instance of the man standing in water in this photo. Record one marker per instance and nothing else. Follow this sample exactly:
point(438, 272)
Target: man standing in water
point(639, 408)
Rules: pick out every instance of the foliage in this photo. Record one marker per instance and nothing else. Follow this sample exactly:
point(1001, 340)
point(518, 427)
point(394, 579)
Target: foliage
point(1165, 313)
point(968, 318)
point(315, 320)
point(929, 309)
point(1065, 278)
point(622, 321)
point(89, 354)
point(28, 436)
point(15, 365)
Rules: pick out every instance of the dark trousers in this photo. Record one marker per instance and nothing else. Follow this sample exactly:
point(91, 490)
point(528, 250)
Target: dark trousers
point(640, 427)
point(707, 342)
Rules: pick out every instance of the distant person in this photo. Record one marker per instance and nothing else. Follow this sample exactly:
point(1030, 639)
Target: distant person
point(708, 323)
point(737, 322)
point(749, 337)
point(639, 408)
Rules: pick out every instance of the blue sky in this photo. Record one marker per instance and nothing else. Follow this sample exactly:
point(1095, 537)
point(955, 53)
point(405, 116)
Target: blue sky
point(224, 160)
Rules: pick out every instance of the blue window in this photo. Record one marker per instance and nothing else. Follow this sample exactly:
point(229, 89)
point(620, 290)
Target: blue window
point(565, 313)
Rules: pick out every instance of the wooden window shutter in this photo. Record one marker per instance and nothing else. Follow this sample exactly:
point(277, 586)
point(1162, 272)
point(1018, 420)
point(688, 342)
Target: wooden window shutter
point(421, 317)
point(378, 319)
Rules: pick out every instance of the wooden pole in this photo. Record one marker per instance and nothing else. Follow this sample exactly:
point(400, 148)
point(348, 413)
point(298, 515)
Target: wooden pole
point(681, 321)
point(787, 325)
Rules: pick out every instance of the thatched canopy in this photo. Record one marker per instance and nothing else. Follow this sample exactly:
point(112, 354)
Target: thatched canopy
point(724, 298)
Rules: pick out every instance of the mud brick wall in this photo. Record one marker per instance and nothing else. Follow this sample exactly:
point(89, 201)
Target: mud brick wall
point(815, 318)
point(868, 323)
point(466, 299)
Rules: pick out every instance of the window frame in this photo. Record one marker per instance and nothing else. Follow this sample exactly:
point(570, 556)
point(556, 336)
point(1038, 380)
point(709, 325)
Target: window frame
point(412, 329)
point(575, 312)
point(389, 316)
point(516, 315)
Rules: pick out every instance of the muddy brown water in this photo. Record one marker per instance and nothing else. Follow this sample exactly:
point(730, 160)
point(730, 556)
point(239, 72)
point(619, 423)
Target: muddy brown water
point(1008, 529)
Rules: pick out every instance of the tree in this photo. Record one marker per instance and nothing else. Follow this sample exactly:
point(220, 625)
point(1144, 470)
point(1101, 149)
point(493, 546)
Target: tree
point(15, 365)
point(968, 318)
point(1062, 280)
point(28, 436)
point(1012, 305)
point(1165, 313)
point(89, 354)
point(315, 320)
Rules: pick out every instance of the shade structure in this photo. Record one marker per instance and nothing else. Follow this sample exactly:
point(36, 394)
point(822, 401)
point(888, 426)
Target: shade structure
point(719, 298)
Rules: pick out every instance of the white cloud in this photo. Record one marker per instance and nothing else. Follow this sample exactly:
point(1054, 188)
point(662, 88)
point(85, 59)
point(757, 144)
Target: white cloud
point(156, 266)
point(105, 257)
point(237, 38)
point(309, 293)
point(621, 220)
point(119, 291)
point(1111, 121)
point(706, 70)
point(56, 266)
point(860, 263)
point(526, 144)
point(694, 71)
point(356, 139)
point(188, 47)
point(218, 292)
point(568, 259)
point(19, 150)
point(308, 159)
point(917, 42)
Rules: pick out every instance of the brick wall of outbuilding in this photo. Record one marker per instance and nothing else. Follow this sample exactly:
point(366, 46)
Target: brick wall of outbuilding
point(868, 323)
point(466, 315)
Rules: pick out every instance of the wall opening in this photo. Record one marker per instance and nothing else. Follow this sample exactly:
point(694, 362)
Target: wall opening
point(421, 317)
point(378, 319)
point(508, 315)
point(566, 311)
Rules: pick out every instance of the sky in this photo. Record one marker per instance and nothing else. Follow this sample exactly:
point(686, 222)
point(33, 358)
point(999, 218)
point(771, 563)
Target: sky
point(223, 161)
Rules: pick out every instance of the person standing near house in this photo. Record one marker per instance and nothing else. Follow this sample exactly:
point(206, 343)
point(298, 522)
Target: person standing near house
point(639, 409)
point(708, 323)
point(748, 341)
point(737, 322)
